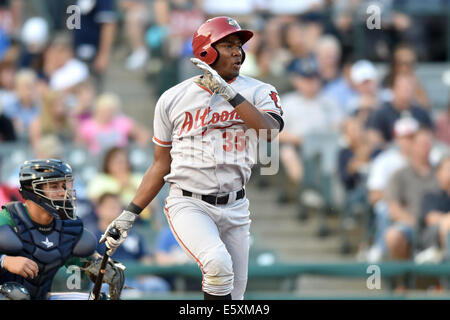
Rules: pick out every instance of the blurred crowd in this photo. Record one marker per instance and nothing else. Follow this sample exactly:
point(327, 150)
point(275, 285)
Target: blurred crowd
point(362, 135)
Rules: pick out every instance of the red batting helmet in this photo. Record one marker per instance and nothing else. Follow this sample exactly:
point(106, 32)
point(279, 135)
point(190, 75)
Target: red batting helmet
point(212, 31)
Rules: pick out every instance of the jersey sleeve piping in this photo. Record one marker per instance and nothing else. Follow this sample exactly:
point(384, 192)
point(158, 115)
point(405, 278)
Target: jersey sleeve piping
point(162, 143)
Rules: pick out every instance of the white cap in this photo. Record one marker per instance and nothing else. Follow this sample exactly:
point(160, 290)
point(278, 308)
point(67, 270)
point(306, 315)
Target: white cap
point(363, 70)
point(405, 126)
point(35, 31)
point(69, 75)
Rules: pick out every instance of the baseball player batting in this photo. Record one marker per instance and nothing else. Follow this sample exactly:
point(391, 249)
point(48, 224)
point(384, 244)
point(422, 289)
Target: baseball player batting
point(207, 209)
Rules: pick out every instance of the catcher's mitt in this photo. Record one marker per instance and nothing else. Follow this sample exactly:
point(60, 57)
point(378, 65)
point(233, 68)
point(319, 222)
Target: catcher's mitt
point(114, 275)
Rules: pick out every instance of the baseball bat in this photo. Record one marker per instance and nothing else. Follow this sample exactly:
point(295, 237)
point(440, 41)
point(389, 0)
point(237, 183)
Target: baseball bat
point(95, 293)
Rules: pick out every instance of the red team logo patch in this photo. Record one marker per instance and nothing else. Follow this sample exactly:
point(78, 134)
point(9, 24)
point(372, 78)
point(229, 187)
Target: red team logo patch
point(276, 98)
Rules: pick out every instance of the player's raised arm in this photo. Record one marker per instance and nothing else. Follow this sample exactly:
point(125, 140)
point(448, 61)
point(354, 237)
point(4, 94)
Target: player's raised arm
point(252, 116)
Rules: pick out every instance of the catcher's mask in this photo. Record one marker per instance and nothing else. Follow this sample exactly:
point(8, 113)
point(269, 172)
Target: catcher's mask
point(49, 183)
point(212, 31)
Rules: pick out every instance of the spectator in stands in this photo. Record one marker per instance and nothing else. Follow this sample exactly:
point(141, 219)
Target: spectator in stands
point(408, 27)
point(49, 147)
point(108, 127)
point(271, 55)
point(93, 42)
point(364, 78)
point(443, 126)
point(342, 24)
point(54, 12)
point(136, 16)
point(306, 111)
point(135, 248)
point(434, 223)
point(63, 70)
point(381, 169)
point(380, 123)
point(168, 252)
point(117, 176)
point(353, 163)
point(83, 101)
point(335, 82)
point(10, 15)
point(176, 22)
point(53, 119)
point(404, 196)
point(34, 41)
point(403, 62)
point(24, 108)
point(301, 38)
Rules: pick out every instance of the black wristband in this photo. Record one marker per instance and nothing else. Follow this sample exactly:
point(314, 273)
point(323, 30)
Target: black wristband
point(237, 100)
point(134, 208)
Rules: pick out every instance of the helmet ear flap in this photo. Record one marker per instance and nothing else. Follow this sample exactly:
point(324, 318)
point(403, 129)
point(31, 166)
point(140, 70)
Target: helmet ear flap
point(209, 56)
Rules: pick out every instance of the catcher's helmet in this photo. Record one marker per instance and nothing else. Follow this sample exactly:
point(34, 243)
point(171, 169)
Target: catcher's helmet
point(212, 31)
point(34, 174)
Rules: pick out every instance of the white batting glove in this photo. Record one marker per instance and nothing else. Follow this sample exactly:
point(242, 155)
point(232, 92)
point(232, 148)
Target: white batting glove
point(123, 224)
point(213, 81)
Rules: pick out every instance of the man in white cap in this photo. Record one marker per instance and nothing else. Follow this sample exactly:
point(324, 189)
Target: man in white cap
point(35, 34)
point(364, 77)
point(381, 170)
point(404, 195)
point(34, 40)
point(64, 70)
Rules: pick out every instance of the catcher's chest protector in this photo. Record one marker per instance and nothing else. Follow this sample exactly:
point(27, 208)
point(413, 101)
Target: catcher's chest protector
point(48, 250)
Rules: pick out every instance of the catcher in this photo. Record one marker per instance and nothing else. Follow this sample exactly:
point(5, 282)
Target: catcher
point(43, 234)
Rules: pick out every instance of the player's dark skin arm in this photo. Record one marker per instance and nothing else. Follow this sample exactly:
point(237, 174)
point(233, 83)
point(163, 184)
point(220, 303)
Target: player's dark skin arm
point(153, 179)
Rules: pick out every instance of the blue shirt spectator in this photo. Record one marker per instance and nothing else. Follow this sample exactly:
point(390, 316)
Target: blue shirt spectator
point(165, 240)
point(22, 108)
point(16, 110)
point(383, 119)
point(94, 13)
point(340, 91)
point(380, 123)
point(168, 251)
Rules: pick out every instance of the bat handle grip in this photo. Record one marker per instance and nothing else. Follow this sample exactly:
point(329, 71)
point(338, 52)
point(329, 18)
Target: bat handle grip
point(114, 233)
